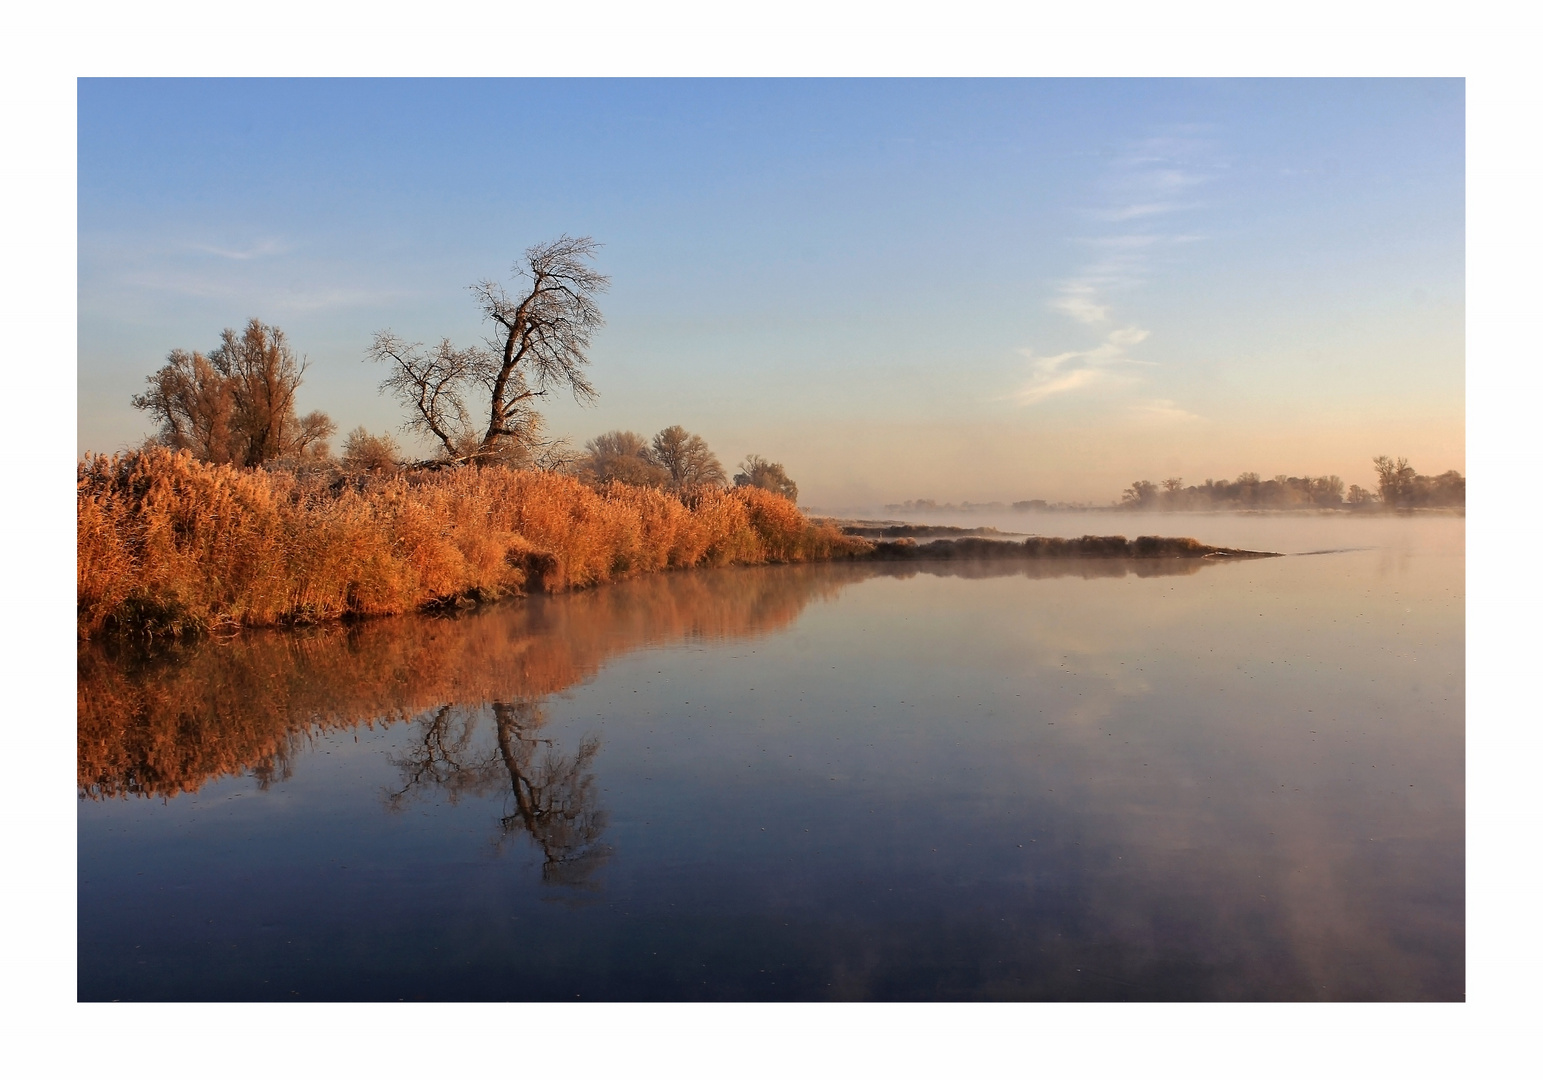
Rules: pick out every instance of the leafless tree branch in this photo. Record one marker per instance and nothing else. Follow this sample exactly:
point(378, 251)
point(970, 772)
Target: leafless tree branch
point(540, 344)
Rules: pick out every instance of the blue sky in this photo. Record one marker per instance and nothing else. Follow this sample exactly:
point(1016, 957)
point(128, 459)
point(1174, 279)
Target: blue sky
point(900, 289)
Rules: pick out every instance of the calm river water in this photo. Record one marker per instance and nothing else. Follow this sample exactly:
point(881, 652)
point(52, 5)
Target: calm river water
point(1042, 781)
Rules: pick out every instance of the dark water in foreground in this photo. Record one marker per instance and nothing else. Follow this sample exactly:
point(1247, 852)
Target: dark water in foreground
point(1237, 781)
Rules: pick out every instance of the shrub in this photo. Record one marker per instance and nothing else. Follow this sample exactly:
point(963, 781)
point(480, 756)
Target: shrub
point(366, 453)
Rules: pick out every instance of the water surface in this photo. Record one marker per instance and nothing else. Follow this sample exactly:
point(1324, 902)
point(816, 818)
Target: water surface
point(1049, 781)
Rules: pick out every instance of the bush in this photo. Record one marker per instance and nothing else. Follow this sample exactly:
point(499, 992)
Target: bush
point(366, 453)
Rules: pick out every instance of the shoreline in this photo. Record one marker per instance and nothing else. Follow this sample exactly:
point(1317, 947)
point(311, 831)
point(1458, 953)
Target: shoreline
point(169, 547)
point(848, 518)
point(966, 549)
point(1055, 547)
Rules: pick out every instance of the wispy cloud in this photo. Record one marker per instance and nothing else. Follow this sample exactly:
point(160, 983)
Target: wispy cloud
point(1107, 362)
point(1149, 182)
point(1162, 411)
point(1138, 210)
point(1076, 299)
point(1131, 335)
point(269, 297)
point(1042, 387)
point(258, 250)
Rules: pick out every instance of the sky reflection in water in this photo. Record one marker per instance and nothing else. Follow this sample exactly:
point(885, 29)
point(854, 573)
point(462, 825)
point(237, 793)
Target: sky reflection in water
point(1068, 781)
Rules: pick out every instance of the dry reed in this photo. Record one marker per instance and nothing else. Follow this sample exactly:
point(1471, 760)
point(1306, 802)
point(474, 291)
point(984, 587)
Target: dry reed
point(168, 545)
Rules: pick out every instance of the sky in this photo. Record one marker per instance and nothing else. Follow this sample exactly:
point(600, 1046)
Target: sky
point(899, 289)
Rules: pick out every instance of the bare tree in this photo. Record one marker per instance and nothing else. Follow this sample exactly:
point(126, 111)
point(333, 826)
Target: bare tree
point(236, 405)
point(308, 436)
point(1142, 494)
point(479, 403)
point(192, 403)
point(621, 455)
point(1327, 490)
point(1395, 479)
point(264, 375)
point(756, 471)
point(687, 459)
point(1400, 486)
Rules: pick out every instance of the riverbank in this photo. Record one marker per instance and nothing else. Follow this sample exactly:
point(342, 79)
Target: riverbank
point(168, 546)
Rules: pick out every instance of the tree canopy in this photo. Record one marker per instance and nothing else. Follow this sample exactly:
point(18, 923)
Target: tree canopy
point(675, 459)
point(1398, 485)
point(621, 455)
point(687, 459)
point(756, 471)
point(235, 405)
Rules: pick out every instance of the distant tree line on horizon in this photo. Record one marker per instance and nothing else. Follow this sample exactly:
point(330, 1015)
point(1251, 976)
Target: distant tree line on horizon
point(1398, 487)
point(932, 506)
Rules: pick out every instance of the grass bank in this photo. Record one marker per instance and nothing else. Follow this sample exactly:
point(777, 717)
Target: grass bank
point(167, 545)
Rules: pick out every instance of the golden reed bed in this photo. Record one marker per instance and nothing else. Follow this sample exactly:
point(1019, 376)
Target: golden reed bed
point(167, 544)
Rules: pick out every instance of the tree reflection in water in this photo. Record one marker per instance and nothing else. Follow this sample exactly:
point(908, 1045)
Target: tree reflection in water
point(552, 796)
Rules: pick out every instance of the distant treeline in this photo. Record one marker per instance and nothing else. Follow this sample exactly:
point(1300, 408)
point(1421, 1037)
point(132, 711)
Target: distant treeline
point(1398, 487)
point(1247, 492)
point(932, 506)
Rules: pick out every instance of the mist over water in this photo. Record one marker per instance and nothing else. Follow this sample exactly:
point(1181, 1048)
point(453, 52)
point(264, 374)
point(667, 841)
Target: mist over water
point(1074, 779)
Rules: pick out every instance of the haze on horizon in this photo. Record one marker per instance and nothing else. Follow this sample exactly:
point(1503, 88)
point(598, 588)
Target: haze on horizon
point(900, 289)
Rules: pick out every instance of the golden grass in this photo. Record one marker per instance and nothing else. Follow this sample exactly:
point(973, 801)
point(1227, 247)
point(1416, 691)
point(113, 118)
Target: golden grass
point(167, 544)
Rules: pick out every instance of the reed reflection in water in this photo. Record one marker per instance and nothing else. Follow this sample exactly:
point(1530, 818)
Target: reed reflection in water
point(1068, 781)
point(168, 723)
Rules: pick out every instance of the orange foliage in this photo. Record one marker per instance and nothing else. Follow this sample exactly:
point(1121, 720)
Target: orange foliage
point(168, 544)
